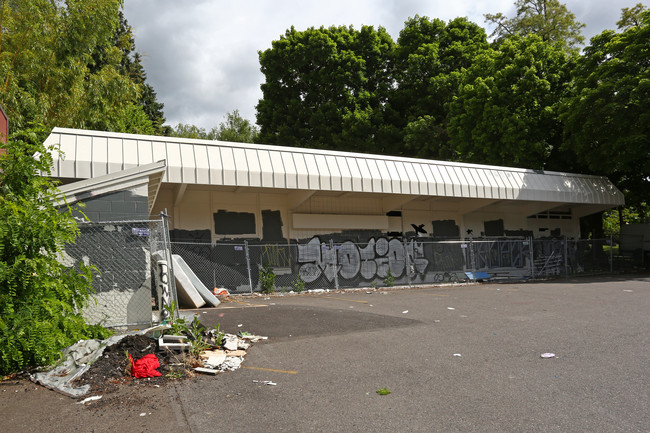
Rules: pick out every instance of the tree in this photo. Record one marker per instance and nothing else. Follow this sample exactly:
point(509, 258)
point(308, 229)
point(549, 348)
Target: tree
point(506, 112)
point(60, 65)
point(631, 17)
point(40, 299)
point(327, 88)
point(549, 19)
point(236, 129)
point(428, 59)
point(607, 121)
point(186, 130)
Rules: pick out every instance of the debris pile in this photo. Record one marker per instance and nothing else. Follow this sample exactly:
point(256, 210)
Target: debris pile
point(149, 357)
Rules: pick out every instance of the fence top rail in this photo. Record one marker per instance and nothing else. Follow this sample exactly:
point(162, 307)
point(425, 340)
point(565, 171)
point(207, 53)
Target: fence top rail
point(118, 222)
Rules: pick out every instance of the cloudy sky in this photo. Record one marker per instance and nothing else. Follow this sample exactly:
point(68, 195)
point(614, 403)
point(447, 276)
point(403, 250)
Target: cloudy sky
point(201, 55)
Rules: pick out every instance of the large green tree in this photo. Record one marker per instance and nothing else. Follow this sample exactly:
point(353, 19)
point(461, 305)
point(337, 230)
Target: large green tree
point(327, 88)
point(40, 298)
point(608, 118)
point(506, 112)
point(549, 19)
point(60, 65)
point(429, 56)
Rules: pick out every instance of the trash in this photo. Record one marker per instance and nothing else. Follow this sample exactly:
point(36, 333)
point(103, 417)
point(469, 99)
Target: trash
point(86, 400)
point(220, 293)
point(450, 308)
point(241, 353)
point(253, 338)
point(145, 366)
point(240, 325)
point(405, 311)
point(214, 358)
point(436, 321)
point(207, 370)
point(457, 354)
point(177, 342)
point(231, 363)
point(230, 342)
point(143, 414)
point(265, 382)
point(548, 355)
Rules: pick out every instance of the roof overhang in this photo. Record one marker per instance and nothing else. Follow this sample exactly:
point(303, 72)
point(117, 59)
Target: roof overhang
point(256, 166)
point(149, 174)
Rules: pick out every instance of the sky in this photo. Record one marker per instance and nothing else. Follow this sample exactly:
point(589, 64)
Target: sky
point(201, 56)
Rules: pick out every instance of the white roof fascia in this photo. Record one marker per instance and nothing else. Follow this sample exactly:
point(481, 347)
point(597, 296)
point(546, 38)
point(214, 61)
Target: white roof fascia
point(246, 164)
point(121, 180)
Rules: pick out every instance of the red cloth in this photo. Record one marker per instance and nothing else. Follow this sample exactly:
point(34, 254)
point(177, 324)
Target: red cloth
point(145, 366)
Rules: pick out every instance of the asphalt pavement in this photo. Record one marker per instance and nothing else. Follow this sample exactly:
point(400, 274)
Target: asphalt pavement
point(464, 358)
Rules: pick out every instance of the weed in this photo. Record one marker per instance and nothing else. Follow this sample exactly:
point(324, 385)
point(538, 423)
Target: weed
point(383, 391)
point(267, 279)
point(298, 284)
point(175, 374)
point(390, 279)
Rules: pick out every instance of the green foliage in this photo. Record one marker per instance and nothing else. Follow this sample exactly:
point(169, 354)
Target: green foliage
point(63, 64)
point(236, 129)
point(298, 284)
point(327, 88)
point(267, 279)
point(193, 330)
point(548, 19)
point(390, 279)
point(40, 298)
point(506, 110)
point(608, 118)
point(383, 391)
point(630, 215)
point(429, 57)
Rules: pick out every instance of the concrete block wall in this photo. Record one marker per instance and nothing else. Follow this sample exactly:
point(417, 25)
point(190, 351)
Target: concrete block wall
point(131, 204)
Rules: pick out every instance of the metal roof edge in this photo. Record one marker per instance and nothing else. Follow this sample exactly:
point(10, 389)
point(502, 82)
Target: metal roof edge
point(303, 150)
point(112, 182)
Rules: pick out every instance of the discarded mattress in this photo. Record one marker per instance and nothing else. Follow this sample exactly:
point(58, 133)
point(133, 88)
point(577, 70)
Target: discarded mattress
point(204, 293)
point(188, 296)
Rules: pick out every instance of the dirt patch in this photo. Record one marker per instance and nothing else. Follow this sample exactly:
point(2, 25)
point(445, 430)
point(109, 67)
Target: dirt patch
point(112, 369)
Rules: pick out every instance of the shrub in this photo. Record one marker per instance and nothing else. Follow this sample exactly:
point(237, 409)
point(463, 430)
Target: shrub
point(40, 299)
point(267, 279)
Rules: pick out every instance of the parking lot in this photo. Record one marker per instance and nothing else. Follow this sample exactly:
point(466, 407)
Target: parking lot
point(464, 358)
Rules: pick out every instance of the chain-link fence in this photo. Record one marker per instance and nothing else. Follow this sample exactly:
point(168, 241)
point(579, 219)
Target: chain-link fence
point(381, 262)
point(132, 281)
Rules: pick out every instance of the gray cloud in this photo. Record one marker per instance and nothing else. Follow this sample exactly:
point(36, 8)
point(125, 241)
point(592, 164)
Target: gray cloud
point(201, 57)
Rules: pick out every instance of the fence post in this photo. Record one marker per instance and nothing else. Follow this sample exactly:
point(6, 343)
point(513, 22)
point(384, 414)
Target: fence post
point(168, 257)
point(248, 266)
point(566, 253)
point(611, 254)
point(407, 262)
point(532, 259)
point(336, 271)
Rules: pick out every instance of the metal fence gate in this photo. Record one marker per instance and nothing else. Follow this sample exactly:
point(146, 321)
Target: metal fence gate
point(131, 280)
point(380, 262)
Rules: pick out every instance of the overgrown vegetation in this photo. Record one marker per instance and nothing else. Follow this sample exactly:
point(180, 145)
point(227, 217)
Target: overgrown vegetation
point(390, 279)
point(200, 337)
point(267, 279)
point(40, 298)
point(298, 284)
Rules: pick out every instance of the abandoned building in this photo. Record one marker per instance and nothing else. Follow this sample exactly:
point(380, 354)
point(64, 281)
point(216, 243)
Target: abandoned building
point(368, 214)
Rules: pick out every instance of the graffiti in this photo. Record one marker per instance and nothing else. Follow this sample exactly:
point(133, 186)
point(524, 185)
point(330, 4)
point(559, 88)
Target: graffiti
point(448, 277)
point(348, 260)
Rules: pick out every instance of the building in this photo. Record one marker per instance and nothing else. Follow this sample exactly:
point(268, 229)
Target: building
point(227, 192)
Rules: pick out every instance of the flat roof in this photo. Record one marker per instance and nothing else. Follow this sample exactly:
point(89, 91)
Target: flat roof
point(88, 154)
